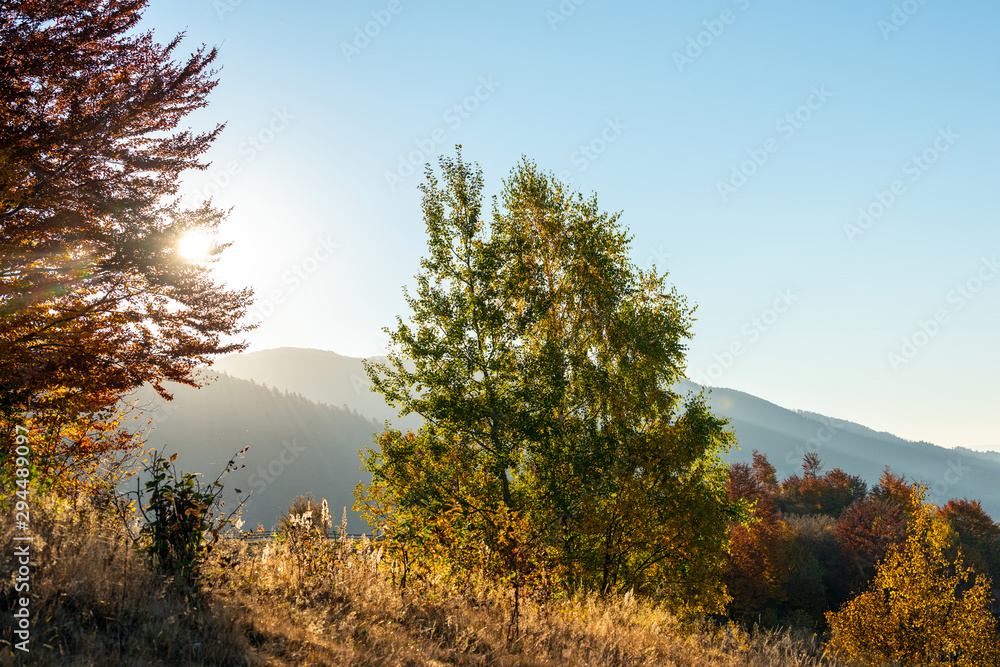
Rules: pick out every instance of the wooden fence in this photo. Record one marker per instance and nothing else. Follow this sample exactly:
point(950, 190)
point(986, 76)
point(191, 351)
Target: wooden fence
point(269, 535)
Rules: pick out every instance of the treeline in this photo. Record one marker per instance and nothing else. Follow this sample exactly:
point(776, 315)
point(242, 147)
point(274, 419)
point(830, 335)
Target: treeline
point(295, 445)
point(820, 537)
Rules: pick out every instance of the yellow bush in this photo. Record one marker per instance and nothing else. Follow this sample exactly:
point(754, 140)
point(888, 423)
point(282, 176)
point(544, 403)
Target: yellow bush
point(921, 609)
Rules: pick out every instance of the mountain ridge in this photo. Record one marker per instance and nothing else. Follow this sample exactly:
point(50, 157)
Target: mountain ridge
point(784, 435)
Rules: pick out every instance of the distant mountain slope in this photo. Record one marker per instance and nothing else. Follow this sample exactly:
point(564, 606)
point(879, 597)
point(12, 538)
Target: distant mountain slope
point(861, 430)
point(296, 445)
point(784, 435)
point(321, 376)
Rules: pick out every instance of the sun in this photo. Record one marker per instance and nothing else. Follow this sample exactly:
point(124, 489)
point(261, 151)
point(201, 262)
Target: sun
point(195, 246)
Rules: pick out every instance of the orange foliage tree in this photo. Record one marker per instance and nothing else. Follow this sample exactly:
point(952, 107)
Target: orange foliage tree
point(868, 529)
point(871, 526)
point(756, 569)
point(978, 538)
point(813, 493)
point(974, 526)
point(921, 608)
point(94, 298)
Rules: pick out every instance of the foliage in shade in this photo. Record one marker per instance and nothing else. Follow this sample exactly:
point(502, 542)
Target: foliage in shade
point(757, 568)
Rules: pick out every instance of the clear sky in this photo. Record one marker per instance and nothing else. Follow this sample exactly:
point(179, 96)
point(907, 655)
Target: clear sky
point(819, 178)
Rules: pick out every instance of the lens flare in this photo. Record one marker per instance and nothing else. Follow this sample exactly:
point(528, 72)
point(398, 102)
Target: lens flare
point(195, 246)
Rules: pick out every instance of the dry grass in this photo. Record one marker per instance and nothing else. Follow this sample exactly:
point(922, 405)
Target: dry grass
point(338, 607)
point(95, 602)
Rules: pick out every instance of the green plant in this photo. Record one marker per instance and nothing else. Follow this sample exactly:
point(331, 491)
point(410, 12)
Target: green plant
point(181, 514)
point(553, 449)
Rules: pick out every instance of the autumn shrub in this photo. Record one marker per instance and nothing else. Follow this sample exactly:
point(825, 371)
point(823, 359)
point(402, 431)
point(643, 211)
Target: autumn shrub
point(184, 519)
point(305, 517)
point(304, 527)
point(921, 607)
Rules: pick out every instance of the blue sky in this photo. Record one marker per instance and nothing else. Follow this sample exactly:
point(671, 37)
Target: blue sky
point(741, 140)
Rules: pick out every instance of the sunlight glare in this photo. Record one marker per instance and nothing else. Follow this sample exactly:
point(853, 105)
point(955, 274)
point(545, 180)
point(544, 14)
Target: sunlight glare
point(195, 246)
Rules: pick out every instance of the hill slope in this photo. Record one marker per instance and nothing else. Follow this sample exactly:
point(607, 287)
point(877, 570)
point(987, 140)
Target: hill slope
point(321, 376)
point(296, 445)
point(784, 435)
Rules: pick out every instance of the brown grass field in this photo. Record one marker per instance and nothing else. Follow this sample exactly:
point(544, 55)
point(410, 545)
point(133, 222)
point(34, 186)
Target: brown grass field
point(95, 601)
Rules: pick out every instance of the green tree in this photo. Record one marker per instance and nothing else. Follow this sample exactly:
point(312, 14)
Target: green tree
point(542, 361)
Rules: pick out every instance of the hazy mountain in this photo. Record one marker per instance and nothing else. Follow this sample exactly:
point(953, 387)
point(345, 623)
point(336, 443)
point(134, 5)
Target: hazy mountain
point(321, 376)
point(296, 445)
point(784, 435)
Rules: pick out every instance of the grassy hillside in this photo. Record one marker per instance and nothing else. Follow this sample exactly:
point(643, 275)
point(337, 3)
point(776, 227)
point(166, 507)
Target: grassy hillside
point(96, 602)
